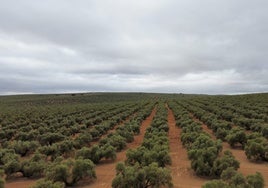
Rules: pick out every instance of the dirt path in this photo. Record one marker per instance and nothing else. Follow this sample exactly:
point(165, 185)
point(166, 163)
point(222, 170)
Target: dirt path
point(20, 183)
point(105, 171)
point(246, 167)
point(182, 174)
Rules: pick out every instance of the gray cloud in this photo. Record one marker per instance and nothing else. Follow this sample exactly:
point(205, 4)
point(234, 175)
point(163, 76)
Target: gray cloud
point(165, 46)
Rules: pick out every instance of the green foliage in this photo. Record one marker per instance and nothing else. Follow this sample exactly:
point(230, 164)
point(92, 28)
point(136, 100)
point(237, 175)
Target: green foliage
point(145, 165)
point(188, 138)
point(204, 141)
point(228, 173)
point(57, 125)
point(136, 176)
point(50, 150)
point(50, 138)
point(82, 140)
point(202, 153)
point(57, 172)
point(65, 147)
point(255, 181)
point(24, 147)
point(238, 180)
point(216, 184)
point(221, 133)
point(115, 140)
point(264, 131)
point(9, 161)
point(96, 153)
point(135, 155)
point(82, 168)
point(159, 154)
point(2, 182)
point(95, 133)
point(11, 167)
point(108, 152)
point(134, 125)
point(70, 171)
point(221, 164)
point(202, 160)
point(34, 167)
point(231, 178)
point(44, 183)
point(126, 132)
point(92, 153)
point(257, 149)
point(236, 136)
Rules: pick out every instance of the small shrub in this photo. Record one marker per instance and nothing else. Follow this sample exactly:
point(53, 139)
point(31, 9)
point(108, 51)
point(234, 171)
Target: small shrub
point(44, 183)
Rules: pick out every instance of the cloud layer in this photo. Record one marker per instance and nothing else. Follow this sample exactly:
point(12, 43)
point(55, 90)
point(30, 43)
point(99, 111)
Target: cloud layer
point(187, 46)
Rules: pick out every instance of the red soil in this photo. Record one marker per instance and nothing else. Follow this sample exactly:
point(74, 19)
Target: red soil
point(20, 183)
point(105, 171)
point(182, 174)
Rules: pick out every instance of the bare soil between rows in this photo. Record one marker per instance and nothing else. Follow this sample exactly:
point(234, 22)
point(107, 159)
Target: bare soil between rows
point(20, 183)
point(182, 174)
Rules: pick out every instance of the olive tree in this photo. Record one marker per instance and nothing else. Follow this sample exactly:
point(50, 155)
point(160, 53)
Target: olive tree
point(236, 136)
point(224, 162)
point(82, 168)
point(71, 171)
point(35, 166)
point(2, 180)
point(9, 161)
point(93, 153)
point(216, 184)
point(137, 176)
point(44, 183)
point(257, 149)
point(255, 180)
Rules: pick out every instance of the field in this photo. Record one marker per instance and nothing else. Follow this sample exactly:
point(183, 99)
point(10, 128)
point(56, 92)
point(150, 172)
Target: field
point(133, 140)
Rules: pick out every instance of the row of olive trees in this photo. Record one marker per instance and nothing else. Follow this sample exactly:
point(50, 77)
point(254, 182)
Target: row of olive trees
point(254, 144)
point(238, 111)
point(57, 145)
point(203, 151)
point(204, 155)
point(62, 172)
point(34, 121)
point(231, 178)
point(115, 141)
point(145, 165)
point(245, 118)
point(49, 127)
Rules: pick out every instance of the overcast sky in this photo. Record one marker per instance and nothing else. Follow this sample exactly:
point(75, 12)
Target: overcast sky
point(184, 46)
